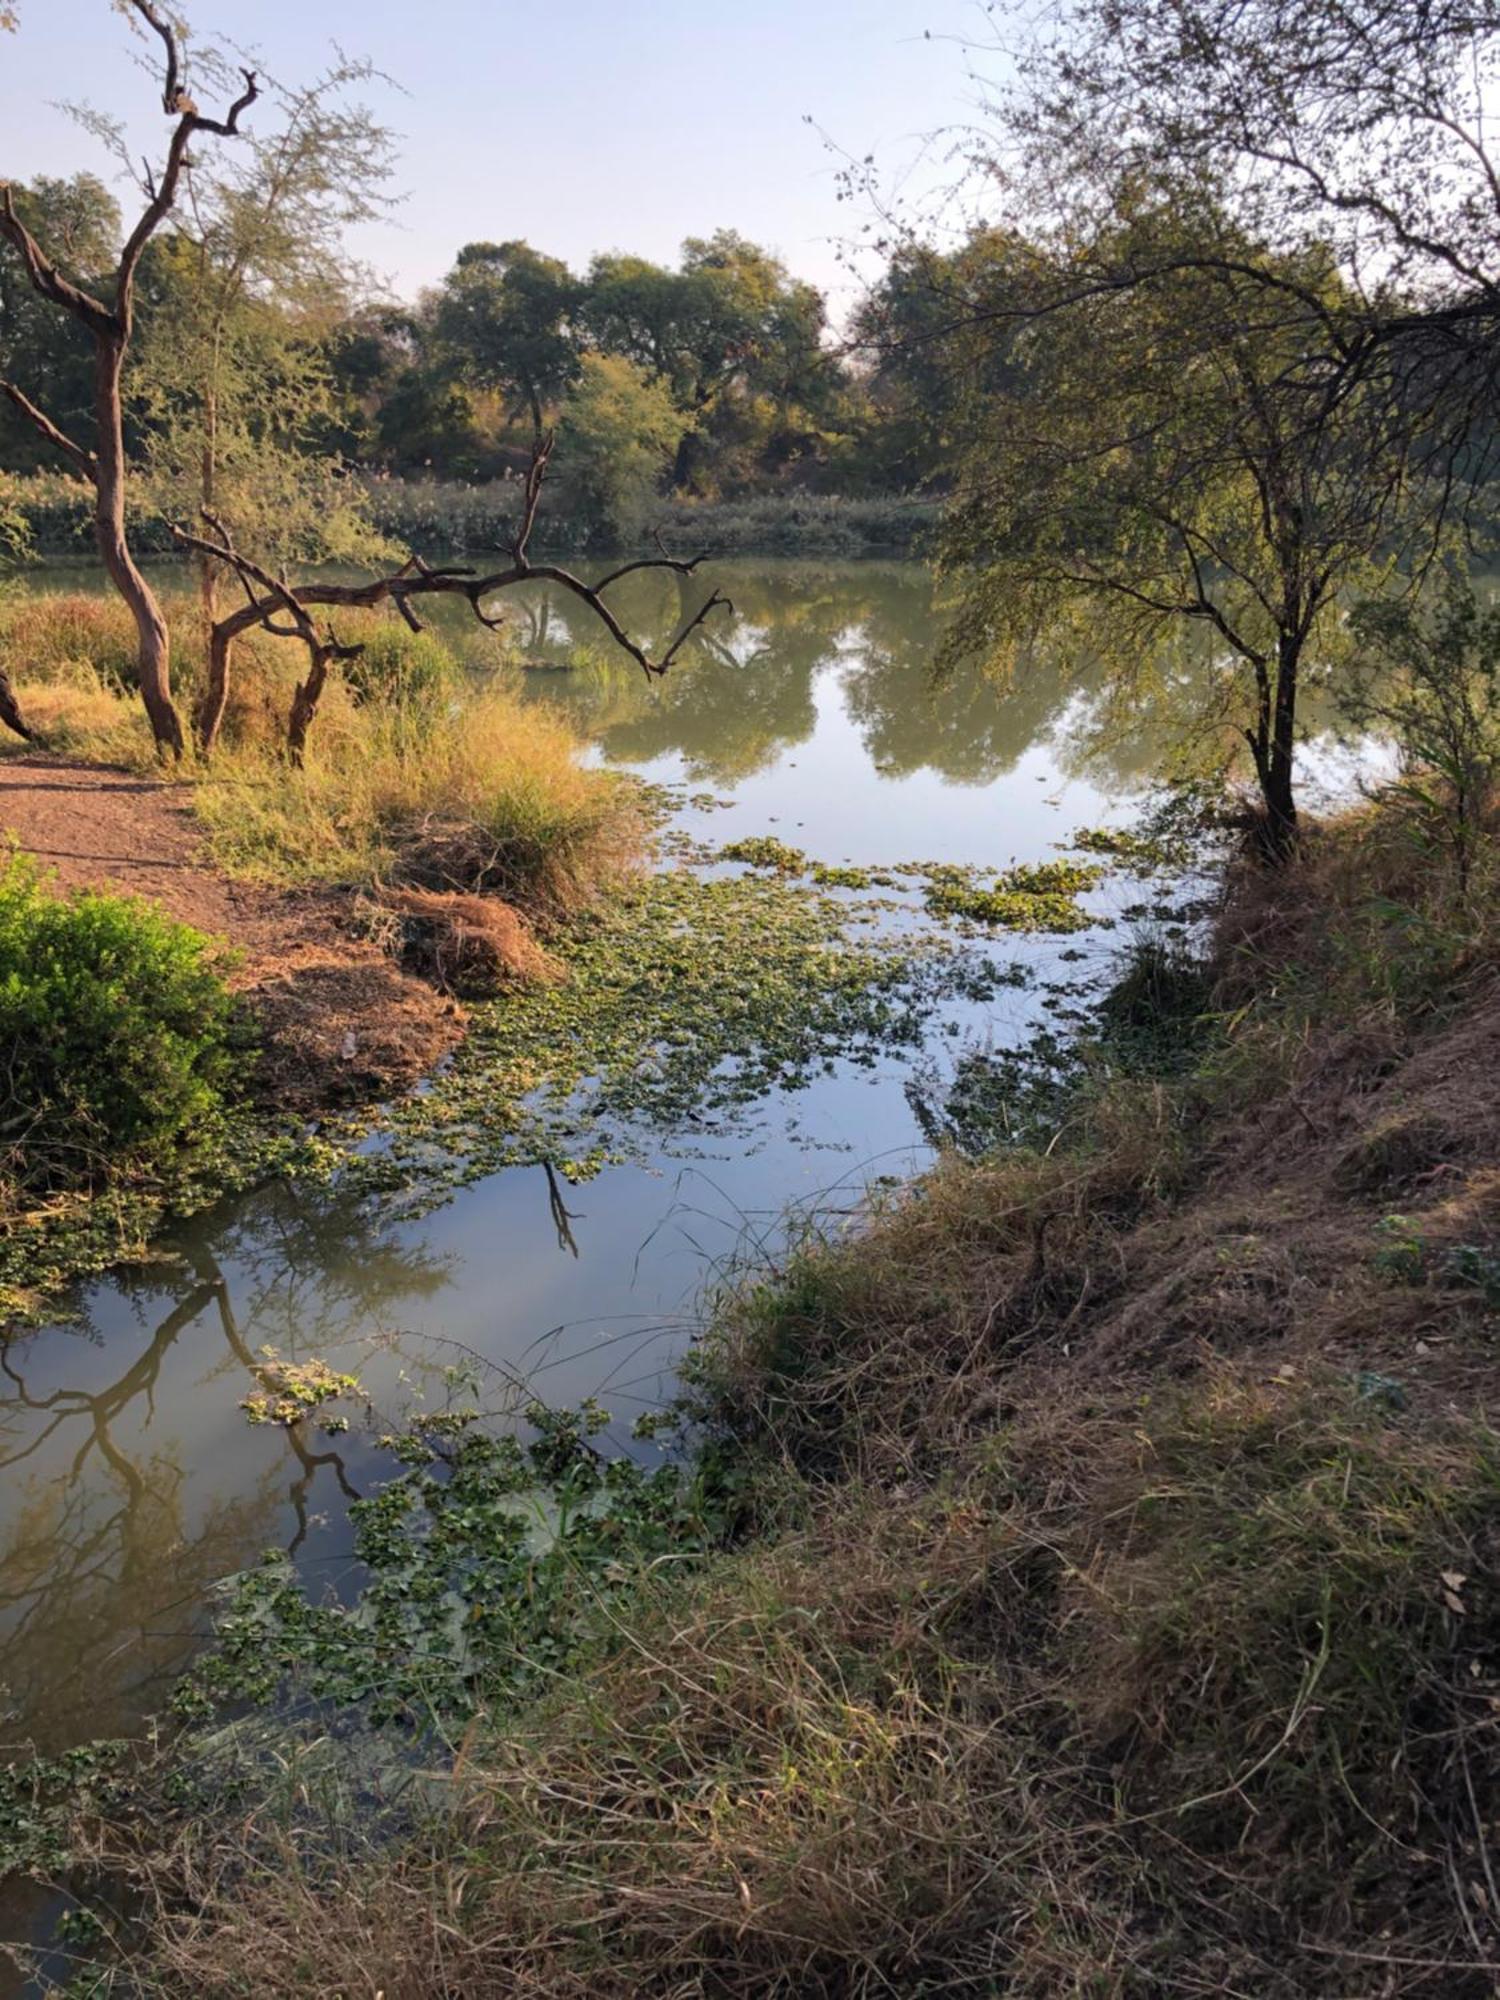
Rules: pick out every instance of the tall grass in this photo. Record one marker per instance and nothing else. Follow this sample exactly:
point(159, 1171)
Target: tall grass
point(416, 773)
point(460, 788)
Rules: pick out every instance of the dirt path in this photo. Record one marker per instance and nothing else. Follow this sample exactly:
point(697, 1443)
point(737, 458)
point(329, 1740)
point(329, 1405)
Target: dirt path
point(342, 1023)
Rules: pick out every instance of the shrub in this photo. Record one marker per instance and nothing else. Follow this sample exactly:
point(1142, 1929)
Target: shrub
point(119, 1035)
point(398, 665)
point(1435, 687)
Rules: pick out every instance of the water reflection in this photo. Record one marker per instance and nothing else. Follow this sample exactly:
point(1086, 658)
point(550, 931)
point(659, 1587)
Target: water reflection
point(132, 1480)
point(748, 693)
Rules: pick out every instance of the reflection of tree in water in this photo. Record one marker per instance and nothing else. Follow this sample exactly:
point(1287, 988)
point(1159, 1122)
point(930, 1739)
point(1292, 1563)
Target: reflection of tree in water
point(743, 694)
point(968, 727)
point(102, 1575)
point(739, 694)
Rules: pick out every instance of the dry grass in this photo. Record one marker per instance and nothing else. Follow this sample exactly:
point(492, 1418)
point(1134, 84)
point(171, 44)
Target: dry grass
point(416, 776)
point(467, 945)
point(874, 1353)
point(75, 714)
point(1134, 1701)
point(478, 795)
point(46, 637)
point(1122, 1611)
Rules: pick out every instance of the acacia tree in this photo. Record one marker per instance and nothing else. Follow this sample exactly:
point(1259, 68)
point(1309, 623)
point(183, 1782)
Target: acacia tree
point(79, 220)
point(1365, 125)
point(231, 378)
point(109, 321)
point(1183, 448)
point(1364, 121)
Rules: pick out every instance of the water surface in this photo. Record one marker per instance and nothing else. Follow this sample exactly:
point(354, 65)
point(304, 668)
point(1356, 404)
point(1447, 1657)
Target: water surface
point(132, 1479)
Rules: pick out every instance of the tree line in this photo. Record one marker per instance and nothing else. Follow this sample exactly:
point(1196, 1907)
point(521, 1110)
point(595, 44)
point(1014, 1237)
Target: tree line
point(263, 351)
point(1216, 369)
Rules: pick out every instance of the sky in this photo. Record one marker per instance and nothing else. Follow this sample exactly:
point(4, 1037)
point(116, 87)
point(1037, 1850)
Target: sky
point(583, 126)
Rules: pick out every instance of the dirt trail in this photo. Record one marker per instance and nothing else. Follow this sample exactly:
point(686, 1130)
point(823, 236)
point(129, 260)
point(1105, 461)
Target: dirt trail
point(342, 1023)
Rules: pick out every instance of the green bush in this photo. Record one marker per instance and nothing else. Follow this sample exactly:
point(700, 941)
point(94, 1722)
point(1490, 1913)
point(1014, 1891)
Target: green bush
point(120, 1037)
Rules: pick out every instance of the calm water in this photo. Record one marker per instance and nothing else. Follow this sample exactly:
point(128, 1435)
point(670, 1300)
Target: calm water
point(132, 1480)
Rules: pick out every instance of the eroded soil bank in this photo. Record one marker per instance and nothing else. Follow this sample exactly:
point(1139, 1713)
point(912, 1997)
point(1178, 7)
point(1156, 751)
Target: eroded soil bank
point(341, 1022)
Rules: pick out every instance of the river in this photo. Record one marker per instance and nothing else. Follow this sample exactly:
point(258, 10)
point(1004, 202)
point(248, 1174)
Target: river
point(132, 1478)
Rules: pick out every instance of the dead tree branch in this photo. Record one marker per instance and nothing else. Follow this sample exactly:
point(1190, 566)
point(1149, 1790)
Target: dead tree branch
point(268, 596)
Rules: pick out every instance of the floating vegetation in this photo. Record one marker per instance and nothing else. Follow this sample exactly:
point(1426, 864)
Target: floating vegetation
point(1142, 853)
point(76, 1236)
point(492, 1566)
point(1038, 897)
point(294, 1390)
point(764, 850)
point(828, 877)
point(687, 1001)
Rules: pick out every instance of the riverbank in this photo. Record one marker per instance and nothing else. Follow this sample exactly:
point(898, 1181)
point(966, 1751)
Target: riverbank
point(351, 905)
point(455, 517)
point(1084, 1583)
point(341, 1022)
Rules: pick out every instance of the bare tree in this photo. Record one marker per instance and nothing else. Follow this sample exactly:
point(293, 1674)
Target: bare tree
point(278, 606)
point(109, 323)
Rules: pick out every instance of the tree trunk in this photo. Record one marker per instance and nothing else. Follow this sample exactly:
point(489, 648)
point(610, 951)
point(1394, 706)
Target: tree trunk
point(10, 709)
point(210, 715)
point(305, 703)
point(684, 461)
point(154, 651)
point(1276, 778)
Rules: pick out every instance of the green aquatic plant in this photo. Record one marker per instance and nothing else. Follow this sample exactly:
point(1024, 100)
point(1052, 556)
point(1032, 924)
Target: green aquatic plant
point(493, 1565)
point(687, 1001)
point(1032, 897)
point(291, 1391)
point(764, 850)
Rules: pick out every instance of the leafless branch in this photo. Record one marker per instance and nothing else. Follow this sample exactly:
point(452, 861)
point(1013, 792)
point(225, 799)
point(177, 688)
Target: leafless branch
point(269, 597)
point(83, 460)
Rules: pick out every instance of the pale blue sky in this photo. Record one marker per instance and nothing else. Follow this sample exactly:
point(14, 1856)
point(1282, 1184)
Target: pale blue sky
point(581, 126)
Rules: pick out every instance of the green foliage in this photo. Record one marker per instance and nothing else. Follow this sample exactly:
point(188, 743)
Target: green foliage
point(121, 1038)
point(616, 432)
point(495, 1565)
point(1040, 897)
point(1407, 1255)
point(1159, 480)
point(42, 1800)
point(46, 353)
point(399, 666)
point(292, 1391)
point(230, 386)
point(1432, 681)
point(764, 850)
point(441, 517)
point(503, 320)
point(1153, 1021)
